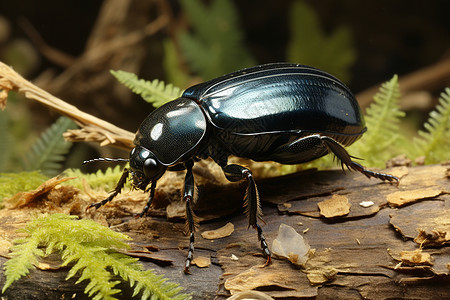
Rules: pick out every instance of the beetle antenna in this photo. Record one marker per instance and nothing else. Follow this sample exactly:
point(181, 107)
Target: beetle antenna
point(104, 159)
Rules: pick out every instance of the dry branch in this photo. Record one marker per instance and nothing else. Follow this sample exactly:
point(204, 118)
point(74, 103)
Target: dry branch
point(92, 129)
point(428, 78)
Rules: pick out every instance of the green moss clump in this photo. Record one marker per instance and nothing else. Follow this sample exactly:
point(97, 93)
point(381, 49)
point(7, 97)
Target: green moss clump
point(12, 183)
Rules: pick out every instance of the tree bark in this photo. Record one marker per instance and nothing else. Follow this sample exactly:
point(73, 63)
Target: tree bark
point(357, 255)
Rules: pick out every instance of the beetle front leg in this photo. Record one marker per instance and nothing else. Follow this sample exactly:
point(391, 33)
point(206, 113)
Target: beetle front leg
point(253, 209)
point(117, 189)
point(149, 201)
point(188, 197)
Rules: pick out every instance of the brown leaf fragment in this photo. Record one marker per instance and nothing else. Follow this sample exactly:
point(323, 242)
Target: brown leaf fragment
point(288, 284)
point(319, 276)
point(416, 257)
point(433, 238)
point(5, 87)
point(23, 198)
point(253, 295)
point(176, 209)
point(157, 258)
point(45, 266)
point(221, 232)
point(3, 99)
point(202, 261)
point(401, 198)
point(399, 172)
point(5, 245)
point(336, 206)
point(398, 161)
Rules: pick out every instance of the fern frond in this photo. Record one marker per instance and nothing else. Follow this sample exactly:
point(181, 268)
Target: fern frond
point(434, 143)
point(90, 247)
point(155, 92)
point(216, 44)
point(382, 139)
point(310, 45)
point(24, 256)
point(99, 180)
point(50, 149)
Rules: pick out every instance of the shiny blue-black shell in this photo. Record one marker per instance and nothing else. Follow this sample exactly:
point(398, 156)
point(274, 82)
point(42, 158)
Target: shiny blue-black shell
point(254, 112)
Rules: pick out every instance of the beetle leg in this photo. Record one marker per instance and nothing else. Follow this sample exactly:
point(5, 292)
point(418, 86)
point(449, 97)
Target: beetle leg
point(149, 201)
point(116, 191)
point(346, 159)
point(188, 196)
point(253, 209)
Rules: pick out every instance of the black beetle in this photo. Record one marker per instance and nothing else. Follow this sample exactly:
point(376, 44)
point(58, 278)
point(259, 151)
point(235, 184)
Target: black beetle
point(287, 113)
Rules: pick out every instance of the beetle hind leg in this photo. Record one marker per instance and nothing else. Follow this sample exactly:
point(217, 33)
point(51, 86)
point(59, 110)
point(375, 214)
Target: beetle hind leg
point(346, 159)
point(188, 197)
point(253, 209)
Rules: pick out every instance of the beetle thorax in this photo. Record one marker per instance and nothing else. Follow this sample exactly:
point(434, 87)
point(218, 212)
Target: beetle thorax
point(173, 132)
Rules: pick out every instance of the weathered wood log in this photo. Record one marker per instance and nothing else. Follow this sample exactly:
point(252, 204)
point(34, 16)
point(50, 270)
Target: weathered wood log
point(361, 254)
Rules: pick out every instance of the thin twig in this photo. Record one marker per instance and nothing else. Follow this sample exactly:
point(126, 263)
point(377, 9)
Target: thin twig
point(92, 129)
point(427, 78)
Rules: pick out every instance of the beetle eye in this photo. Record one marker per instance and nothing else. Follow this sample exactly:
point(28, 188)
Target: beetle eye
point(152, 169)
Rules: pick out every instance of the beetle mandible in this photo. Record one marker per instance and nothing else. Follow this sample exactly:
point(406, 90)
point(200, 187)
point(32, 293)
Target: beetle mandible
point(287, 113)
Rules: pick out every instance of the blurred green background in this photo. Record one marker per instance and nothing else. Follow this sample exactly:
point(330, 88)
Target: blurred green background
point(69, 47)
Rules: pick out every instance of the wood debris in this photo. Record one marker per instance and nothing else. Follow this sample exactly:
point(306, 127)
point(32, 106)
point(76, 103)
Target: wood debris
point(221, 232)
point(336, 206)
point(320, 276)
point(283, 282)
point(24, 198)
point(201, 261)
point(433, 238)
point(416, 257)
point(401, 198)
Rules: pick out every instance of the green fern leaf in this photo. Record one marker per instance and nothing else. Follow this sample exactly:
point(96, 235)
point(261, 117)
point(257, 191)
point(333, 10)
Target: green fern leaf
point(48, 152)
point(104, 181)
point(381, 141)
point(23, 258)
point(310, 45)
point(434, 143)
point(155, 91)
point(216, 44)
point(88, 246)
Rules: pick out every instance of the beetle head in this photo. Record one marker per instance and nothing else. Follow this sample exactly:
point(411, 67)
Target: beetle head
point(145, 167)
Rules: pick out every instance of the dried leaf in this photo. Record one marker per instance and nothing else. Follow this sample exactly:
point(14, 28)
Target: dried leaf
point(202, 261)
point(176, 209)
point(221, 232)
point(250, 295)
point(5, 245)
point(401, 198)
point(427, 222)
point(286, 281)
point(23, 198)
point(336, 206)
point(320, 276)
point(433, 238)
point(399, 172)
point(416, 257)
